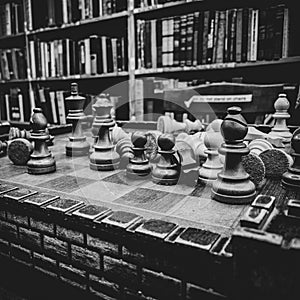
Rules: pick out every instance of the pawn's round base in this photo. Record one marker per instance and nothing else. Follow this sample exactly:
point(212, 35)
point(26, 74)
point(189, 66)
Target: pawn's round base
point(104, 166)
point(206, 181)
point(232, 199)
point(41, 166)
point(77, 148)
point(165, 181)
point(138, 174)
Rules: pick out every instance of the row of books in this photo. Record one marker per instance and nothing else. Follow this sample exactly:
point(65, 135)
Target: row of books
point(13, 105)
point(59, 12)
point(11, 19)
point(152, 3)
point(65, 57)
point(12, 64)
point(220, 36)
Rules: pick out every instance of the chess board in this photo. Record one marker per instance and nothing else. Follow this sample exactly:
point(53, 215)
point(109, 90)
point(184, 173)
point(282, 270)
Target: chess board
point(187, 203)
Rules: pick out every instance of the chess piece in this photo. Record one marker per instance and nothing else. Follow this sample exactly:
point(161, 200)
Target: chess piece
point(233, 184)
point(209, 171)
point(77, 145)
point(259, 145)
point(193, 127)
point(185, 149)
point(124, 149)
point(276, 162)
point(19, 151)
point(166, 124)
point(41, 160)
point(3, 148)
point(256, 169)
point(139, 165)
point(167, 170)
point(16, 133)
point(281, 114)
point(104, 156)
point(291, 178)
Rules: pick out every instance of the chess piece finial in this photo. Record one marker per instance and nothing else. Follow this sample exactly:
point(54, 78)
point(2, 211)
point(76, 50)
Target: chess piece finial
point(41, 160)
point(209, 171)
point(77, 145)
point(281, 115)
point(104, 156)
point(291, 178)
point(233, 184)
point(139, 165)
point(167, 170)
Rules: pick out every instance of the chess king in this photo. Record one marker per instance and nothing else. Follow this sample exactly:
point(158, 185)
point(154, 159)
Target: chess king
point(233, 185)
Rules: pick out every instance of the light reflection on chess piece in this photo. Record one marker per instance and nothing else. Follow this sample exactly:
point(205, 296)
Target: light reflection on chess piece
point(77, 145)
point(41, 160)
point(104, 156)
point(233, 184)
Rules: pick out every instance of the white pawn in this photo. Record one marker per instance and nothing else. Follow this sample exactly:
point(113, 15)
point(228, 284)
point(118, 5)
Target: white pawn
point(209, 171)
point(280, 128)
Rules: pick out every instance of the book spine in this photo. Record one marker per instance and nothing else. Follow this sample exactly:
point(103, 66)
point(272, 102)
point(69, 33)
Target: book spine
point(94, 52)
point(114, 54)
point(189, 39)
point(104, 55)
point(82, 59)
point(239, 34)
point(176, 41)
point(8, 18)
point(21, 107)
point(285, 33)
point(245, 22)
point(205, 35)
point(109, 55)
point(87, 54)
point(139, 100)
point(7, 104)
point(32, 59)
point(147, 44)
point(215, 36)
point(210, 39)
point(278, 31)
point(119, 55)
point(171, 41)
point(196, 28)
point(159, 42)
point(183, 40)
point(261, 34)
point(61, 107)
point(153, 45)
point(14, 63)
point(221, 38)
point(28, 14)
point(232, 53)
point(249, 42)
point(254, 35)
point(65, 13)
point(53, 107)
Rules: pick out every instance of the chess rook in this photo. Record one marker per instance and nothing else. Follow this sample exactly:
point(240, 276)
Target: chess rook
point(209, 171)
point(139, 165)
point(168, 168)
point(291, 178)
point(233, 184)
point(41, 160)
point(77, 145)
point(104, 156)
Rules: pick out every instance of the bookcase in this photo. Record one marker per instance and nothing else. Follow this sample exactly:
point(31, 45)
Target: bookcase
point(135, 49)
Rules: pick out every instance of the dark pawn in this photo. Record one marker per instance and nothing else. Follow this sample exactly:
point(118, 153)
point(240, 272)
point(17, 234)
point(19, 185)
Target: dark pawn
point(104, 156)
point(41, 160)
point(139, 165)
point(167, 170)
point(291, 178)
point(233, 184)
point(77, 146)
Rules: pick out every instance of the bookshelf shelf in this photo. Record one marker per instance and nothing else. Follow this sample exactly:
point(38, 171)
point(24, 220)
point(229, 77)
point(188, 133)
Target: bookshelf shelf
point(14, 81)
point(12, 37)
point(167, 6)
point(217, 66)
point(79, 24)
point(81, 77)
